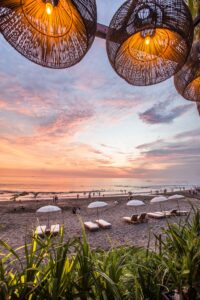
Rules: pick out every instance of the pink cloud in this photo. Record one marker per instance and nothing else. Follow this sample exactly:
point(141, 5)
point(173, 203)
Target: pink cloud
point(120, 103)
point(65, 123)
point(149, 145)
point(160, 113)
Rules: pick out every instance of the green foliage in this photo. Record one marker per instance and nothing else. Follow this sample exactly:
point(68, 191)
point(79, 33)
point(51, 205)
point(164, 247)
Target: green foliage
point(194, 6)
point(52, 269)
point(181, 257)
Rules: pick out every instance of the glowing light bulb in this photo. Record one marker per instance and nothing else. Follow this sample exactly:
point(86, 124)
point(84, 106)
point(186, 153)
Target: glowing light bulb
point(147, 40)
point(49, 8)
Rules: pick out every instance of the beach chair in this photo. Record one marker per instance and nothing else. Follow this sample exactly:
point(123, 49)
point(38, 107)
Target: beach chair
point(55, 229)
point(156, 215)
point(182, 213)
point(103, 224)
point(169, 213)
point(142, 218)
point(91, 226)
point(175, 212)
point(131, 220)
point(40, 230)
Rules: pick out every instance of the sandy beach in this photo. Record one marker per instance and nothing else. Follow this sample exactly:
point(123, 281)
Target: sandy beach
point(19, 219)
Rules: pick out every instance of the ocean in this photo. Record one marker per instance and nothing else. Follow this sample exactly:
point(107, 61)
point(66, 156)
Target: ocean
point(46, 187)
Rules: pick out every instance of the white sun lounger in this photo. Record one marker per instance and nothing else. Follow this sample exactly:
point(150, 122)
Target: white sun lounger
point(132, 220)
point(91, 226)
point(136, 219)
point(103, 224)
point(40, 230)
point(55, 229)
point(175, 212)
point(182, 212)
point(142, 218)
point(169, 213)
point(156, 215)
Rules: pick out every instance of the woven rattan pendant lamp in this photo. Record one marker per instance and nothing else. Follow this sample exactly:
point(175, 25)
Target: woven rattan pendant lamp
point(51, 33)
point(187, 80)
point(148, 41)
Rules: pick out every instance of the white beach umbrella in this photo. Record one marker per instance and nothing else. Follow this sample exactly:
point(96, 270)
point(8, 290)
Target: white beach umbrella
point(176, 197)
point(48, 209)
point(97, 205)
point(159, 199)
point(135, 203)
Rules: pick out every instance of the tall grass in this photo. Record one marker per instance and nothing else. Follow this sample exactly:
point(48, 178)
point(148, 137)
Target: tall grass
point(180, 257)
point(53, 269)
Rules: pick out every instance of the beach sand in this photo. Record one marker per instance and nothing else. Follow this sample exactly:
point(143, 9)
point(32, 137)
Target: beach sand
point(19, 219)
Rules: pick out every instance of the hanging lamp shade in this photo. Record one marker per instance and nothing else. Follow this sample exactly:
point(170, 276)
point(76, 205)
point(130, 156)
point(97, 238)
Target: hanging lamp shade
point(149, 41)
point(51, 33)
point(187, 80)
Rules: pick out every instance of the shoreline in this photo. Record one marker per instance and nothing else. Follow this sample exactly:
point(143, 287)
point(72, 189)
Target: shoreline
point(110, 189)
point(25, 196)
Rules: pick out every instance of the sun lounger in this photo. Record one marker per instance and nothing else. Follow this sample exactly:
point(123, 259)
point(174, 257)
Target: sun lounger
point(182, 213)
point(136, 219)
point(103, 224)
point(132, 220)
point(91, 226)
point(142, 218)
point(40, 230)
point(55, 229)
point(175, 212)
point(168, 213)
point(127, 219)
point(156, 215)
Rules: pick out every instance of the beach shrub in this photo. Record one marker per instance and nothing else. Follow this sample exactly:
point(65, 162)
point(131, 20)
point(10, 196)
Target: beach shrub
point(113, 264)
point(54, 269)
point(180, 257)
point(145, 276)
point(3, 291)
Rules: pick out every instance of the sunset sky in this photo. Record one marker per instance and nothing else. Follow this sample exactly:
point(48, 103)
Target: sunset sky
point(87, 122)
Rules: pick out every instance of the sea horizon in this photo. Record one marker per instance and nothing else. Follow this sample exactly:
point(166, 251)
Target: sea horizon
point(71, 187)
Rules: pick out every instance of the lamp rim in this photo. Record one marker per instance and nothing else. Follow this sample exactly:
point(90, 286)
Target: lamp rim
point(185, 90)
point(89, 42)
point(112, 29)
point(46, 34)
point(128, 81)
